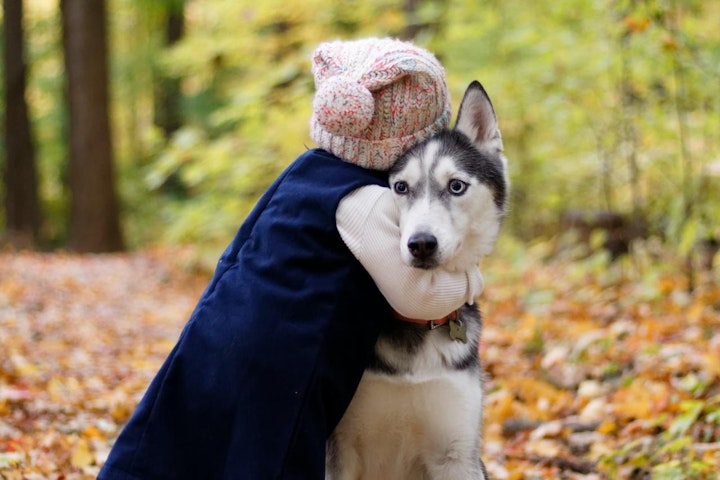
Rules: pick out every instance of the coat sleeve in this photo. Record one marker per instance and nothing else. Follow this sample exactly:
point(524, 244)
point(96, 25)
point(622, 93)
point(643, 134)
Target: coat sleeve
point(368, 222)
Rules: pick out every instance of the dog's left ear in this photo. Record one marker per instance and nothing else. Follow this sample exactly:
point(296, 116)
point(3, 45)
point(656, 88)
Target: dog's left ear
point(477, 119)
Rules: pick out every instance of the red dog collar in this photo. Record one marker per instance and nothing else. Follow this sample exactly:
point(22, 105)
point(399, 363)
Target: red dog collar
point(431, 324)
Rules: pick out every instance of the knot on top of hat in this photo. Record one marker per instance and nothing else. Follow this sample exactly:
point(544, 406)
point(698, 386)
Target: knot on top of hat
point(343, 106)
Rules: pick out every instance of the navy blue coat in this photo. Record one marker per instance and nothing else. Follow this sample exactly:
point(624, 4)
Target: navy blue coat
point(275, 348)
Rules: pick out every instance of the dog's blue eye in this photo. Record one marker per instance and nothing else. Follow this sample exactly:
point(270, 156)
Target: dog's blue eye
point(457, 187)
point(401, 188)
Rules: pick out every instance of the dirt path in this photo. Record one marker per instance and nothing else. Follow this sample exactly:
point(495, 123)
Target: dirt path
point(593, 371)
point(81, 337)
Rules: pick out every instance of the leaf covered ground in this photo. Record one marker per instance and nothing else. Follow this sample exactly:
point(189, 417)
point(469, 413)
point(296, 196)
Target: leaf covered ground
point(595, 370)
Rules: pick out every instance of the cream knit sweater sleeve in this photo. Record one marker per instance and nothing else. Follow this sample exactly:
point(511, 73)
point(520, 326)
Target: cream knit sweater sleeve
point(367, 220)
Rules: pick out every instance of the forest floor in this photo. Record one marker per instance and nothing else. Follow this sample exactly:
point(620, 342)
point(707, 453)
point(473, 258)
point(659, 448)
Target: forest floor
point(594, 371)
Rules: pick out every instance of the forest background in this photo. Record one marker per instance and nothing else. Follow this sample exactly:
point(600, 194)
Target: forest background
point(604, 106)
point(603, 298)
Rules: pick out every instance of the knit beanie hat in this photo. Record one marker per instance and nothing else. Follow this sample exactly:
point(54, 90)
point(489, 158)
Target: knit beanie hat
point(375, 98)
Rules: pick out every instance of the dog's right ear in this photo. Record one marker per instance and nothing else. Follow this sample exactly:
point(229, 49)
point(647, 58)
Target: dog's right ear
point(477, 119)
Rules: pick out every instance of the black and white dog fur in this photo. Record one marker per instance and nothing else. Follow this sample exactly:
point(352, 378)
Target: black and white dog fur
point(417, 412)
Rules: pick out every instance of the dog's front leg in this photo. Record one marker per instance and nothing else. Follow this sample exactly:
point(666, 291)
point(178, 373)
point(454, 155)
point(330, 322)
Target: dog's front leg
point(458, 471)
point(457, 466)
point(341, 460)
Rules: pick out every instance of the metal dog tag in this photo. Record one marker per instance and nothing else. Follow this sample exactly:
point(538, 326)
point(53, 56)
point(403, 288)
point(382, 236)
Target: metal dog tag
point(458, 331)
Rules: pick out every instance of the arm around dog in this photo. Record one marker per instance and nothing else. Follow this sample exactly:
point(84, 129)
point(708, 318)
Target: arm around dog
point(367, 220)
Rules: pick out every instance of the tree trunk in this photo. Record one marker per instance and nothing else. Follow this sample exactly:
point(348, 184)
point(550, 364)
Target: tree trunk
point(22, 210)
point(167, 89)
point(94, 213)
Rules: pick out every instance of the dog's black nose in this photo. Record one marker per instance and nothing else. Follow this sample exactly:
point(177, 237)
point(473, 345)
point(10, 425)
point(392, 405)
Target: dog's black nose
point(422, 245)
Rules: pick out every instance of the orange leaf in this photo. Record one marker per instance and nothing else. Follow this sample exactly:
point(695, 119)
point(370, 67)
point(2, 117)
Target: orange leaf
point(636, 24)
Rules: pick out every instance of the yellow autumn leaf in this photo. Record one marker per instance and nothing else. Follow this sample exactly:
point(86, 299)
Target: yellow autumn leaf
point(606, 427)
point(56, 389)
point(641, 400)
point(540, 396)
point(695, 312)
point(81, 455)
point(712, 364)
point(23, 367)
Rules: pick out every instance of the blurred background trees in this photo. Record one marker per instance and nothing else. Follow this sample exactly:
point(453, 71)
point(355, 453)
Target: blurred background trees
point(22, 214)
point(608, 107)
point(94, 224)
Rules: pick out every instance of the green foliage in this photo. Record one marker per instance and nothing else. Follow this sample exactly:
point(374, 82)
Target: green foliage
point(609, 104)
point(48, 115)
point(247, 97)
point(675, 453)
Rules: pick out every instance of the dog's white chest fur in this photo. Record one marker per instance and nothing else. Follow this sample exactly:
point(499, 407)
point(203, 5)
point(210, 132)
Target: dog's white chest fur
point(411, 428)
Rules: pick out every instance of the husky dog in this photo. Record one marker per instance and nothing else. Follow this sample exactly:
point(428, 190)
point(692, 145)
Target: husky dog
point(418, 409)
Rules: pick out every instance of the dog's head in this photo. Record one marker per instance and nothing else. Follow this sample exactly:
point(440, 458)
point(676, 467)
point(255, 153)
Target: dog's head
point(452, 189)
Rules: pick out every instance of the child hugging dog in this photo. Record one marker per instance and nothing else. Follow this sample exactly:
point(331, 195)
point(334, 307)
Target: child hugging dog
point(274, 350)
